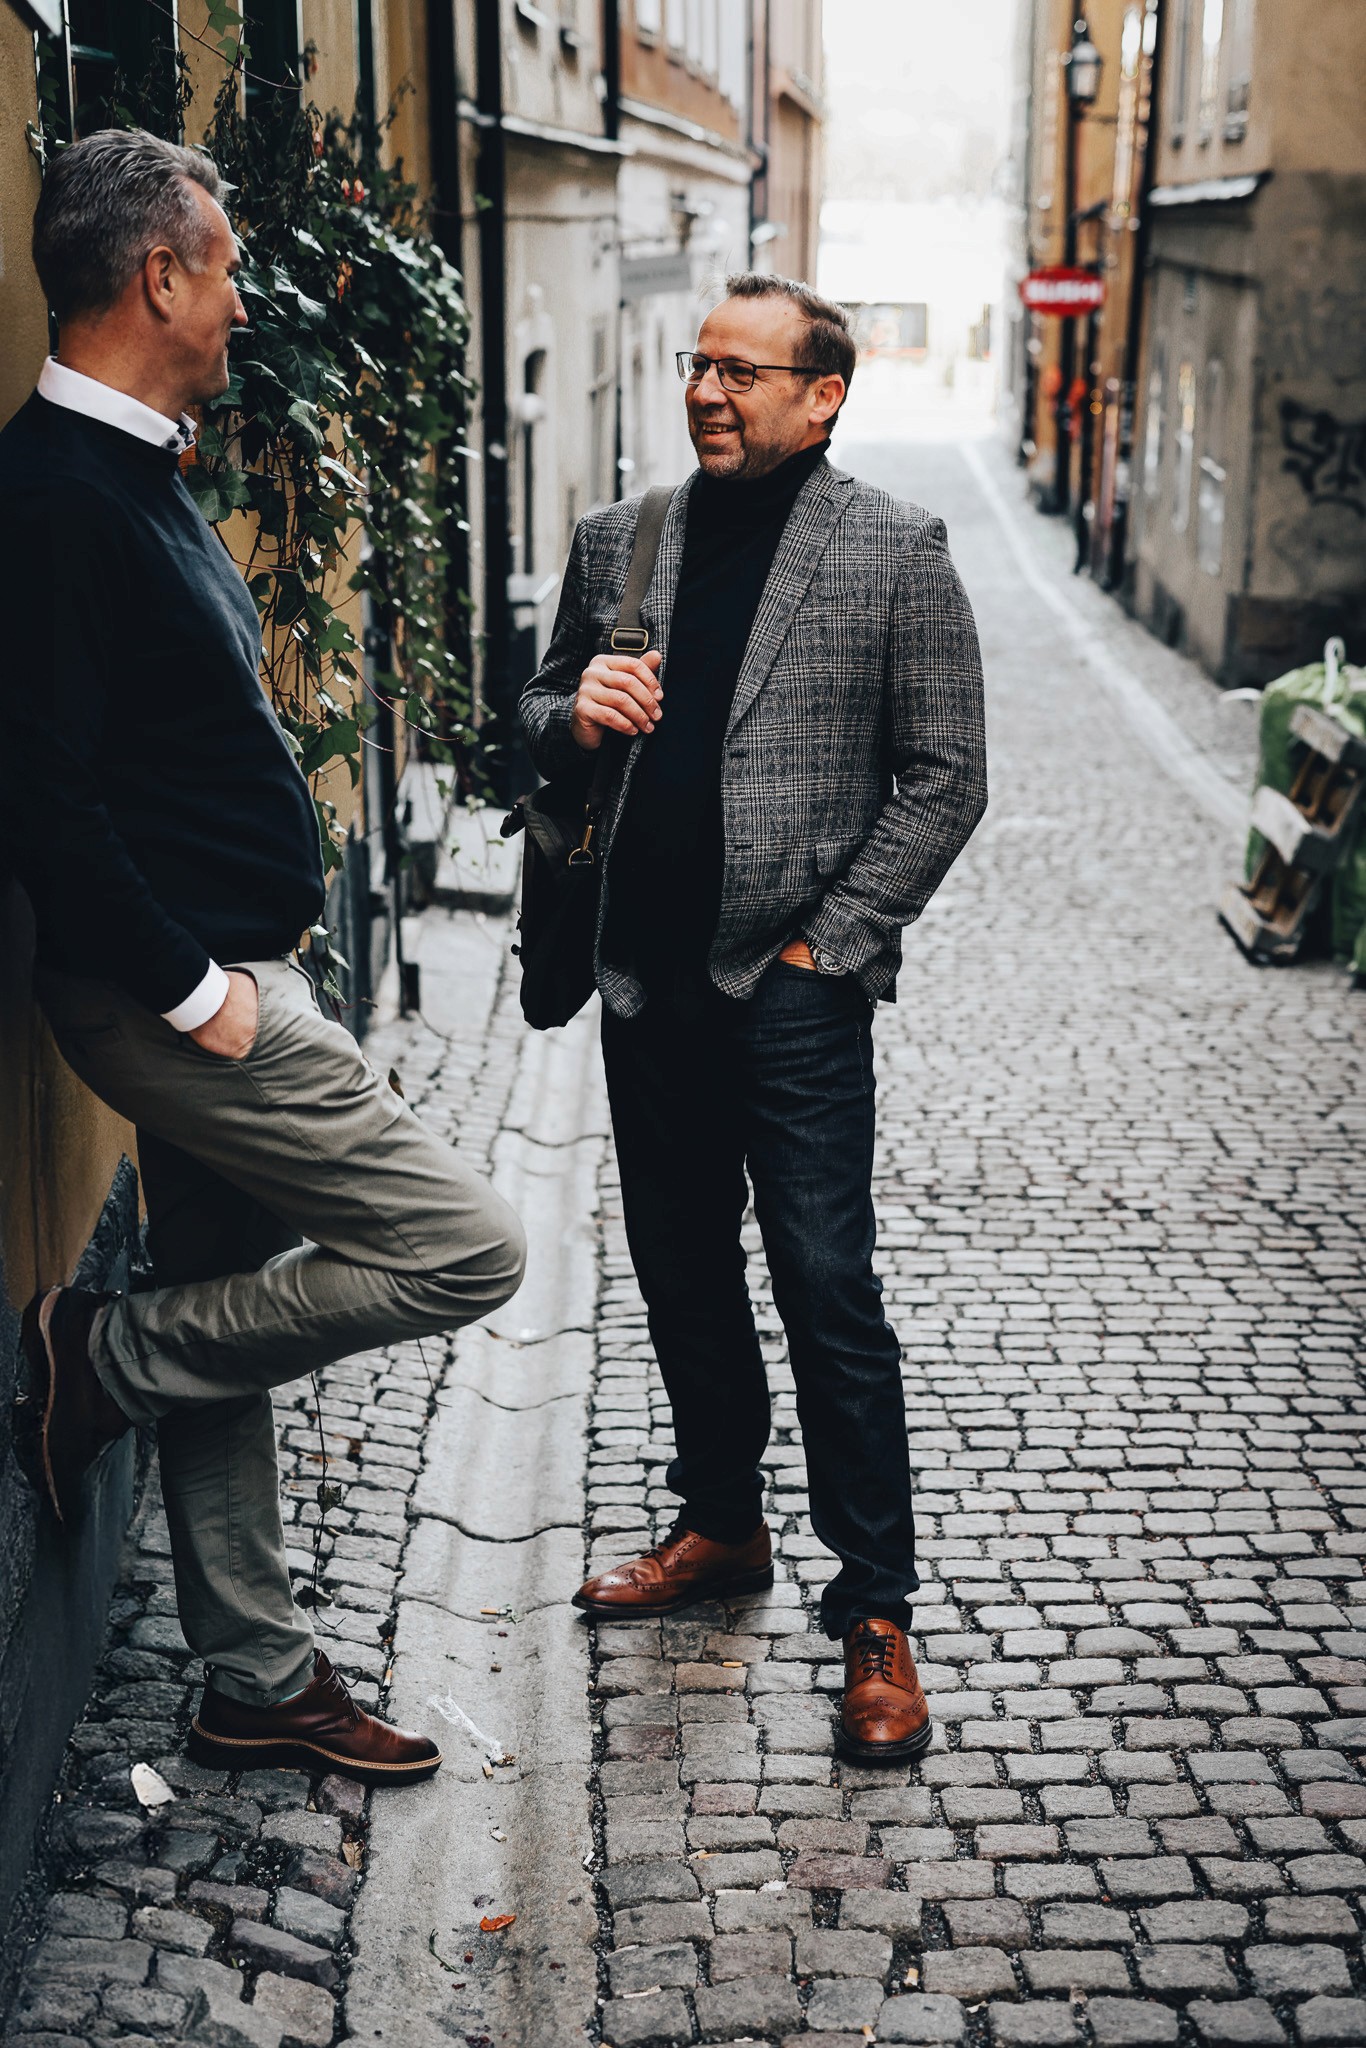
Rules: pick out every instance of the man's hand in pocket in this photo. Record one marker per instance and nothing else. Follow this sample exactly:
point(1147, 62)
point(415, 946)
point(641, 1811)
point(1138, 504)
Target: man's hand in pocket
point(231, 1031)
point(798, 954)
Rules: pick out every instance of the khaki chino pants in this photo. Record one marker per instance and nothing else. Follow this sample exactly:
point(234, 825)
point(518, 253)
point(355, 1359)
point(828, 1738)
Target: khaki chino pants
point(241, 1160)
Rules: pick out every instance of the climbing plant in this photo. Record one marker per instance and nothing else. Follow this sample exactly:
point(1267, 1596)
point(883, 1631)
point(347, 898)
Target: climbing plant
point(341, 434)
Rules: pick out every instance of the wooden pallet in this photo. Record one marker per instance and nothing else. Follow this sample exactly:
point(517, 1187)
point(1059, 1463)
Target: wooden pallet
point(1306, 833)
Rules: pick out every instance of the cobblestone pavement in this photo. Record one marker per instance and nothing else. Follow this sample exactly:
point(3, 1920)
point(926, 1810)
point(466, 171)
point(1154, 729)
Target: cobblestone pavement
point(221, 1916)
point(1120, 1187)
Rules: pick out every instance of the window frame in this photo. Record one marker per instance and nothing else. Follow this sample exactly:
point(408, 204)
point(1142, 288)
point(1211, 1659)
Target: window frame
point(1187, 420)
point(1211, 486)
point(1155, 426)
point(1183, 26)
point(1213, 19)
point(1239, 33)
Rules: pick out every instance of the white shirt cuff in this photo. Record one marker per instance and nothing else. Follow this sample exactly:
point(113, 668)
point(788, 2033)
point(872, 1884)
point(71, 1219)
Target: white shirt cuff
point(202, 1003)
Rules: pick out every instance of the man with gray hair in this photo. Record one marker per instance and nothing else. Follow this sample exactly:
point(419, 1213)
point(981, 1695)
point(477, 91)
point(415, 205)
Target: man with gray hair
point(800, 760)
point(297, 1211)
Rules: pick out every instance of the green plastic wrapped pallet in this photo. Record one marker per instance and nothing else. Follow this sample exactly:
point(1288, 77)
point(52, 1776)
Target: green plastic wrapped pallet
point(1340, 690)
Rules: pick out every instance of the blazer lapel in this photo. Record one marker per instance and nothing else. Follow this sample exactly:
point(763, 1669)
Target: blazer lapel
point(819, 505)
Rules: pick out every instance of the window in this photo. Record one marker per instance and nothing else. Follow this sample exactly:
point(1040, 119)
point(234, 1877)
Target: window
point(649, 19)
point(1209, 519)
point(1185, 446)
point(122, 58)
point(640, 446)
point(1155, 433)
point(1238, 36)
point(274, 37)
point(533, 410)
point(1181, 69)
point(734, 58)
point(711, 38)
point(1211, 48)
point(601, 423)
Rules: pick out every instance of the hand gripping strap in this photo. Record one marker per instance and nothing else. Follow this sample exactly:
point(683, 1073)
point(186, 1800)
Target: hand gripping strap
point(628, 635)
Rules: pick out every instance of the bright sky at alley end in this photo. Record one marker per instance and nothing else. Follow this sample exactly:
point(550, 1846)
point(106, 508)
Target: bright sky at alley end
point(919, 97)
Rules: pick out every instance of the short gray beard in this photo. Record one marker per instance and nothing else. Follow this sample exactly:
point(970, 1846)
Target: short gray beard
point(745, 462)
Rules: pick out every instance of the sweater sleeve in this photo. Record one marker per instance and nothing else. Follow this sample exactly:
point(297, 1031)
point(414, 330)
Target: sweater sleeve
point(66, 607)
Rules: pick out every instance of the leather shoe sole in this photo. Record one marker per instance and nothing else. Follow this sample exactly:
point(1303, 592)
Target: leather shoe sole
point(688, 1596)
point(61, 1473)
point(256, 1752)
point(885, 1752)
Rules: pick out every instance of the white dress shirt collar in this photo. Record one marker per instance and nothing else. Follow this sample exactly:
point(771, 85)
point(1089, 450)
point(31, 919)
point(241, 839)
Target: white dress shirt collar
point(79, 393)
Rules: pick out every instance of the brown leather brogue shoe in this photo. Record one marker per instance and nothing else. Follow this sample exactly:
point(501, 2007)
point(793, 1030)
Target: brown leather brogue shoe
point(67, 1410)
point(885, 1717)
point(683, 1568)
point(321, 1729)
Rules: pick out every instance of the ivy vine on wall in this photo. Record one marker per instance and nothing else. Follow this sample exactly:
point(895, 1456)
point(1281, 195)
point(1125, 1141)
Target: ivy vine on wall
point(341, 435)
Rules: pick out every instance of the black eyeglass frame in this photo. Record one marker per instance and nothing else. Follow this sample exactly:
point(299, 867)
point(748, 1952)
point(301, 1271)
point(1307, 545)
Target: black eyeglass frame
point(686, 357)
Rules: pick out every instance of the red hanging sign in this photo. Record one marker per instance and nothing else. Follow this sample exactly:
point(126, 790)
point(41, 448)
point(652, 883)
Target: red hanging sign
point(1063, 292)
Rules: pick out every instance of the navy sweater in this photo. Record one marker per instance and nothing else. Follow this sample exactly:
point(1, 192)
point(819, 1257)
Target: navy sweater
point(149, 802)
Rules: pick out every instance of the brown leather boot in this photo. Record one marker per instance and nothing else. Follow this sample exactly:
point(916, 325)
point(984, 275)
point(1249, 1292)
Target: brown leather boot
point(321, 1730)
point(683, 1568)
point(67, 1410)
point(885, 1718)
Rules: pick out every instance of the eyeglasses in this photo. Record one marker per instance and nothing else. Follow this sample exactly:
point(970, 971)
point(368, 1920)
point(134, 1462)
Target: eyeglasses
point(731, 375)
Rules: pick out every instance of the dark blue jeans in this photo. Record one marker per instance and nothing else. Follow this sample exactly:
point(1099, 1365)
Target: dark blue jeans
point(702, 1091)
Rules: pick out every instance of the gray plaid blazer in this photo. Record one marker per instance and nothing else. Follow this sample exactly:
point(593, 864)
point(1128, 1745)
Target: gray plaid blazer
point(854, 766)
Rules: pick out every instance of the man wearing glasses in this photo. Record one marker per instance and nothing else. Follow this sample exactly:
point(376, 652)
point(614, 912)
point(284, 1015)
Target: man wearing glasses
point(801, 760)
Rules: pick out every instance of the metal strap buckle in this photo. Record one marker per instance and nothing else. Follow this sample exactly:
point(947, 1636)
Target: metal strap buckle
point(629, 640)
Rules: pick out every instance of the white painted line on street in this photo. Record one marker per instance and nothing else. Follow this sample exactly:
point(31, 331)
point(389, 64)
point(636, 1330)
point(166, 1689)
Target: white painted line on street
point(1159, 732)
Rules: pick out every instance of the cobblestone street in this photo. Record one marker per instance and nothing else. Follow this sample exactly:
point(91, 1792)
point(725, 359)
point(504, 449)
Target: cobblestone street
point(1120, 1194)
point(1120, 1187)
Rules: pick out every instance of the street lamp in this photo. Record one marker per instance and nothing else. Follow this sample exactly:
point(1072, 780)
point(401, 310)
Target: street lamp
point(1082, 65)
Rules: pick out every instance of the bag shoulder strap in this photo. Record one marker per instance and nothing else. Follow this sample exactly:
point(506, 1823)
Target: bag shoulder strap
point(628, 635)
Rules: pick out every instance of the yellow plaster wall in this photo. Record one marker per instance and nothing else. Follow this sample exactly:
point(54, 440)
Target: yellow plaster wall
point(331, 26)
point(59, 1147)
point(401, 60)
point(23, 317)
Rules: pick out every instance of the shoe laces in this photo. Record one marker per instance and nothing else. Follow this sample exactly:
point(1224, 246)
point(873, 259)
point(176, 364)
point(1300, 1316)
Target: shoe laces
point(678, 1534)
point(874, 1651)
point(339, 1696)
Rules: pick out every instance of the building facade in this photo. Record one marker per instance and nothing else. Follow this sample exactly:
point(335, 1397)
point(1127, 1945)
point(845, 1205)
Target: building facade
point(1212, 413)
point(1250, 503)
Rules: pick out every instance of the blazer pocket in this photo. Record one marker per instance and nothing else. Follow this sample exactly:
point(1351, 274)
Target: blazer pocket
point(834, 855)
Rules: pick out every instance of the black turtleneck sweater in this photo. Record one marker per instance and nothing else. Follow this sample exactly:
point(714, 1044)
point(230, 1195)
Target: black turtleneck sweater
point(668, 855)
point(149, 802)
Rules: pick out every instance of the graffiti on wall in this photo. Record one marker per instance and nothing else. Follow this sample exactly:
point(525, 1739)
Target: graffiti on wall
point(1326, 455)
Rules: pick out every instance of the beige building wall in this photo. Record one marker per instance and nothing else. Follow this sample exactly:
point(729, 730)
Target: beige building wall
point(1251, 512)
